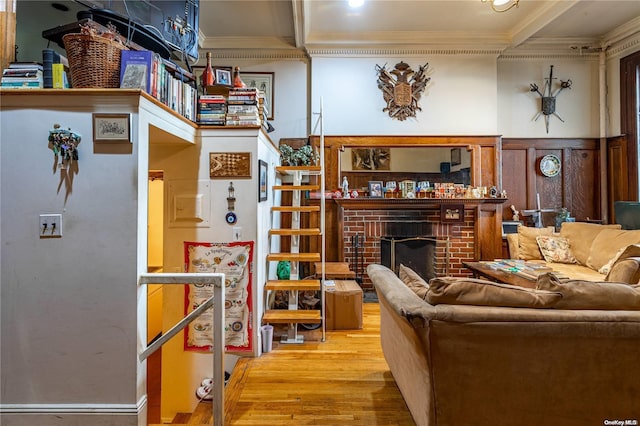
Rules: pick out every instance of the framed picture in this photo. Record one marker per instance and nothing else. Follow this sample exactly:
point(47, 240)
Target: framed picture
point(223, 76)
point(265, 82)
point(452, 213)
point(375, 188)
point(229, 165)
point(456, 153)
point(112, 128)
point(263, 182)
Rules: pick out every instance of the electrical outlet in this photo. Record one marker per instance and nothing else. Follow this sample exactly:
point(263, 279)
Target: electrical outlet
point(237, 233)
point(50, 225)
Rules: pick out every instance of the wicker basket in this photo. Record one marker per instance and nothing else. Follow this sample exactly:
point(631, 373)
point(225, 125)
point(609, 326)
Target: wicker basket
point(94, 61)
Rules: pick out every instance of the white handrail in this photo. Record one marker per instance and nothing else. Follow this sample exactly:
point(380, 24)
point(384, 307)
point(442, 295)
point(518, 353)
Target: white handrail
point(217, 300)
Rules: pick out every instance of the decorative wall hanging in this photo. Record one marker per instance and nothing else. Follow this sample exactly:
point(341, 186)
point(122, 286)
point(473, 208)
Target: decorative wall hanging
point(229, 164)
point(231, 217)
point(402, 88)
point(234, 260)
point(64, 144)
point(548, 98)
point(550, 165)
point(112, 128)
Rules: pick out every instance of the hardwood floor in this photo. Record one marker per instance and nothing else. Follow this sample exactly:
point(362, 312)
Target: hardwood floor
point(343, 381)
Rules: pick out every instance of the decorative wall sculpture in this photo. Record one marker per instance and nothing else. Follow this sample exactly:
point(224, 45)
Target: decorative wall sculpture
point(402, 88)
point(548, 99)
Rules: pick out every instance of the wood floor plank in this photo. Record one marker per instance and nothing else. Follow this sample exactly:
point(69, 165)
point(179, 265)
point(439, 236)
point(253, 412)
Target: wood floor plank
point(342, 381)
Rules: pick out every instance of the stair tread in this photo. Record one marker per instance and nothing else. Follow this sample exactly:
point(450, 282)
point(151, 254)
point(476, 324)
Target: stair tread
point(283, 316)
point(293, 285)
point(290, 231)
point(296, 187)
point(303, 257)
point(311, 170)
point(295, 208)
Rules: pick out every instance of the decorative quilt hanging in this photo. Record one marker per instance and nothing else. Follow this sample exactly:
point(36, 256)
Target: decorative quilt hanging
point(235, 261)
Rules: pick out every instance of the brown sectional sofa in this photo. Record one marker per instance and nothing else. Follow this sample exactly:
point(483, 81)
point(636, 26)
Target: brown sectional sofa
point(594, 248)
point(458, 363)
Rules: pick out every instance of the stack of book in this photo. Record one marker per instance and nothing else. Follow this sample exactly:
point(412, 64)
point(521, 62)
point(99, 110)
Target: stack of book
point(55, 69)
point(243, 107)
point(160, 78)
point(212, 110)
point(525, 269)
point(22, 75)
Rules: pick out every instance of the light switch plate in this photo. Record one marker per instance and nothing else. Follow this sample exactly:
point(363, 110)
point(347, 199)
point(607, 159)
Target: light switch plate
point(50, 225)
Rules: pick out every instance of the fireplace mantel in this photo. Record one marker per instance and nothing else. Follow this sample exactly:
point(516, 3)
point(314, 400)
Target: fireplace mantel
point(410, 203)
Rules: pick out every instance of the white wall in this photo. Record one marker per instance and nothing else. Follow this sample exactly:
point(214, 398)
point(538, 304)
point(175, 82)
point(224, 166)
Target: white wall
point(577, 106)
point(461, 100)
point(68, 305)
point(186, 171)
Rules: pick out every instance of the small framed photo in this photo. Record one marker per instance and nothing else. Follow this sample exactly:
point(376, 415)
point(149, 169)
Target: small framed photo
point(263, 181)
point(375, 189)
point(452, 213)
point(223, 76)
point(112, 128)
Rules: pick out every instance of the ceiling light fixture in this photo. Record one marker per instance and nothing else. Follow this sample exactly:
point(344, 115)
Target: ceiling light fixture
point(501, 5)
point(356, 3)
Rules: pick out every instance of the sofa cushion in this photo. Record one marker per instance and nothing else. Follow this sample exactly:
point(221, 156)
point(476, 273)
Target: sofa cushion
point(555, 249)
point(625, 271)
point(470, 291)
point(607, 244)
point(527, 245)
point(578, 294)
point(413, 281)
point(581, 235)
point(512, 243)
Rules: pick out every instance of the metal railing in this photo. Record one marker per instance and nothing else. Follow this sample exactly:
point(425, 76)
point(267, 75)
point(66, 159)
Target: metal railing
point(217, 302)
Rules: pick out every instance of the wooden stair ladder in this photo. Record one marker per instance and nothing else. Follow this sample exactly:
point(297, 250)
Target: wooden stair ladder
point(293, 315)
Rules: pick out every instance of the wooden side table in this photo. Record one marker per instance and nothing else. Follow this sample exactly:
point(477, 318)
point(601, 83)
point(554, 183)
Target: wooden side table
point(334, 271)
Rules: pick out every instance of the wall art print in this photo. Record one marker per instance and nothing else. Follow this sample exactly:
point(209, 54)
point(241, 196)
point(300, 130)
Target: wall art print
point(229, 165)
point(235, 260)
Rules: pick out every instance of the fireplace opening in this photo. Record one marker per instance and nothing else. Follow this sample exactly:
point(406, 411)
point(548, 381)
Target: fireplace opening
point(417, 253)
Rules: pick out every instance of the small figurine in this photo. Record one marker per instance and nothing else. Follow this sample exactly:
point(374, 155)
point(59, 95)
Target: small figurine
point(345, 187)
point(516, 214)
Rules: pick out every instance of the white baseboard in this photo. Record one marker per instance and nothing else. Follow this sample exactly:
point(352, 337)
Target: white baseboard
point(80, 409)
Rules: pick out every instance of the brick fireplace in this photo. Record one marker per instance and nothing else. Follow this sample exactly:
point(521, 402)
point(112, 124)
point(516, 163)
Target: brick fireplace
point(371, 220)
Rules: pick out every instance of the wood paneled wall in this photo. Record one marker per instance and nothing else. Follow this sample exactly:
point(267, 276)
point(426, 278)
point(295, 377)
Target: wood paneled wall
point(577, 187)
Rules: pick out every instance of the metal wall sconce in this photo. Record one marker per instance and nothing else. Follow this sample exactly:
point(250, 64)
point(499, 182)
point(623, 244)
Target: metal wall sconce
point(501, 5)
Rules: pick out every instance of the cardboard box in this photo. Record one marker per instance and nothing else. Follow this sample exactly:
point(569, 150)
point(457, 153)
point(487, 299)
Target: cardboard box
point(344, 305)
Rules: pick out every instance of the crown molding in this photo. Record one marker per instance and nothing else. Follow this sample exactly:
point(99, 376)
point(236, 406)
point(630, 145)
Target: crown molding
point(367, 52)
point(273, 54)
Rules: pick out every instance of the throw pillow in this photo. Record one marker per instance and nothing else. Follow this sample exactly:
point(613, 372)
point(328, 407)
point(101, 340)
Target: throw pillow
point(578, 294)
point(607, 243)
point(626, 270)
point(607, 266)
point(555, 249)
point(581, 236)
point(471, 291)
point(413, 281)
point(527, 245)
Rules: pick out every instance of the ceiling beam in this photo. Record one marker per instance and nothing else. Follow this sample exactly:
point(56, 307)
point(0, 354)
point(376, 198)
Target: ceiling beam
point(300, 12)
point(540, 19)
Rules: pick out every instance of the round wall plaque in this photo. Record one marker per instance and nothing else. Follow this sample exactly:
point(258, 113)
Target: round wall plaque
point(550, 165)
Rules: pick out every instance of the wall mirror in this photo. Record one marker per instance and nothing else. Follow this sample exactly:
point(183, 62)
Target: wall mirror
point(431, 163)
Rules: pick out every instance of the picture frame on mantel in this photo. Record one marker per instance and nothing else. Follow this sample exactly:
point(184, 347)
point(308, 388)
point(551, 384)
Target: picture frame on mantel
point(451, 213)
point(264, 81)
